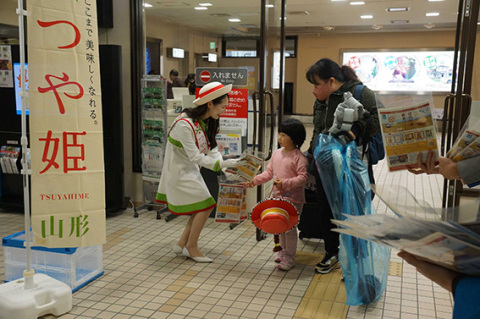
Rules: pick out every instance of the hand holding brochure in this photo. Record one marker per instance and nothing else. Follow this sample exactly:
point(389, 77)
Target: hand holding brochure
point(407, 131)
point(467, 143)
point(448, 244)
point(248, 170)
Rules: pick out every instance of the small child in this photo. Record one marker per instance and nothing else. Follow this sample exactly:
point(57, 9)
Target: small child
point(288, 168)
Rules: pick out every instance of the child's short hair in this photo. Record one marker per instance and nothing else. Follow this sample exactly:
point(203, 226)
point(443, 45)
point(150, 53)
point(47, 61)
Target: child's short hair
point(295, 130)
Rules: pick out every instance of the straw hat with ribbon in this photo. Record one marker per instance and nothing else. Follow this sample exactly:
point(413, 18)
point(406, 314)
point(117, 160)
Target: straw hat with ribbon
point(275, 216)
point(211, 91)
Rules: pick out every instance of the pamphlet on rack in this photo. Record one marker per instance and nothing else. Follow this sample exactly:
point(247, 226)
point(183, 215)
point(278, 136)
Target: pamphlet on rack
point(152, 160)
point(231, 203)
point(248, 170)
point(407, 131)
point(8, 159)
point(419, 232)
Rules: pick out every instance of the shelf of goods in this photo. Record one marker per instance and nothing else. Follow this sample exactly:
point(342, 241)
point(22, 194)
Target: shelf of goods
point(154, 132)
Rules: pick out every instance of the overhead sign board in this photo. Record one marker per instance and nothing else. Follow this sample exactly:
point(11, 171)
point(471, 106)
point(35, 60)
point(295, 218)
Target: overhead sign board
point(235, 76)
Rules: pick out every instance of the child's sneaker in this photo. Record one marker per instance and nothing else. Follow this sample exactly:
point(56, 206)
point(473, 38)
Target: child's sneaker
point(278, 258)
point(286, 264)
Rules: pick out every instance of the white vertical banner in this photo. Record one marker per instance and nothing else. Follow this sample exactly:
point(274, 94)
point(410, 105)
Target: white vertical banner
point(66, 135)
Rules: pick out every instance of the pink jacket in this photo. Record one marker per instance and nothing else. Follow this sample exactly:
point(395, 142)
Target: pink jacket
point(291, 168)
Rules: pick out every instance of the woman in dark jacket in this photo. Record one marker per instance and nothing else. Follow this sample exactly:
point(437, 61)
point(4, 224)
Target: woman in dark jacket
point(330, 81)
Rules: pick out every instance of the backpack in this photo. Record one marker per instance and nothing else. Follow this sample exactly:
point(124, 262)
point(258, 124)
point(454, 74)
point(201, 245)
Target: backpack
point(375, 143)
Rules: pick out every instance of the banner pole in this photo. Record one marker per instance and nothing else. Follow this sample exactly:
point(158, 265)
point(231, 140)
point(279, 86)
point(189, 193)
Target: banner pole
point(29, 272)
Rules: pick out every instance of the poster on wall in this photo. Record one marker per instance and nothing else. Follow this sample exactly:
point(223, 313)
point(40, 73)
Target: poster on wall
point(6, 72)
point(391, 71)
point(236, 113)
point(66, 134)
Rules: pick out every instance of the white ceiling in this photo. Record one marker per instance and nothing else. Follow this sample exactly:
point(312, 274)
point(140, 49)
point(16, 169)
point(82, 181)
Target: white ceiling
point(339, 14)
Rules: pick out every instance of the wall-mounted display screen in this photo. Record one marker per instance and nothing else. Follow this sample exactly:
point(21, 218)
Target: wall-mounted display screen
point(17, 84)
point(175, 53)
point(212, 57)
point(178, 53)
point(419, 71)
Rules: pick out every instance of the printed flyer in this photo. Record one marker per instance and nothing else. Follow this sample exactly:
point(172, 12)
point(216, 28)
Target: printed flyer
point(406, 132)
point(229, 144)
point(231, 204)
point(247, 171)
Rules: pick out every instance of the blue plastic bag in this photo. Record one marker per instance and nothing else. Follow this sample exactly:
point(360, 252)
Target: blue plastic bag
point(345, 179)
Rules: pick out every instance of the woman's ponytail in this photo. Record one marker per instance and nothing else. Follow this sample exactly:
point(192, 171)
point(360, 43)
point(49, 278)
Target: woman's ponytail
point(349, 73)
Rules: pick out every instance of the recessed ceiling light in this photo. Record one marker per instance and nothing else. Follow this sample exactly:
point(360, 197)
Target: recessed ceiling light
point(234, 20)
point(367, 16)
point(147, 5)
point(269, 6)
point(339, 0)
point(201, 8)
point(398, 9)
point(357, 3)
point(429, 25)
point(205, 4)
point(432, 14)
point(435, 0)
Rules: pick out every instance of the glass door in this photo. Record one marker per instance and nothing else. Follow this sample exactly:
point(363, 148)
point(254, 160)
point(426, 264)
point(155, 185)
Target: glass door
point(460, 105)
point(269, 94)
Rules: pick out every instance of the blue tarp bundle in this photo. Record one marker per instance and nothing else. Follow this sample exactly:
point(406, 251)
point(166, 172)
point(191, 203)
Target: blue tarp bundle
point(346, 183)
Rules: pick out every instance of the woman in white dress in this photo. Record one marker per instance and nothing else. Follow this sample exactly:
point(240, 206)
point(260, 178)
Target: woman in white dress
point(192, 145)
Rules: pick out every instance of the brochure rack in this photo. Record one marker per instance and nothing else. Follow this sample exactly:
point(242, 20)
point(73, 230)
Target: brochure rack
point(154, 132)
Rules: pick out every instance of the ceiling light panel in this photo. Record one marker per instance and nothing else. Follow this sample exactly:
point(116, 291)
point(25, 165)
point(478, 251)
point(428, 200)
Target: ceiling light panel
point(432, 14)
point(201, 8)
point(357, 3)
point(366, 16)
point(205, 4)
point(398, 9)
point(234, 20)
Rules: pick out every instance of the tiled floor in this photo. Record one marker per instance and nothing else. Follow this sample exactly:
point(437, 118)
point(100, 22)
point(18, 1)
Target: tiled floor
point(144, 279)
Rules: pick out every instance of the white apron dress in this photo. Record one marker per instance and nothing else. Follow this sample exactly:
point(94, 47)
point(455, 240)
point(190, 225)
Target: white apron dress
point(181, 186)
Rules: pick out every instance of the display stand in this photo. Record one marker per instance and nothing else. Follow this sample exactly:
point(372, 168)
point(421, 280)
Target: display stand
point(154, 132)
point(35, 294)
